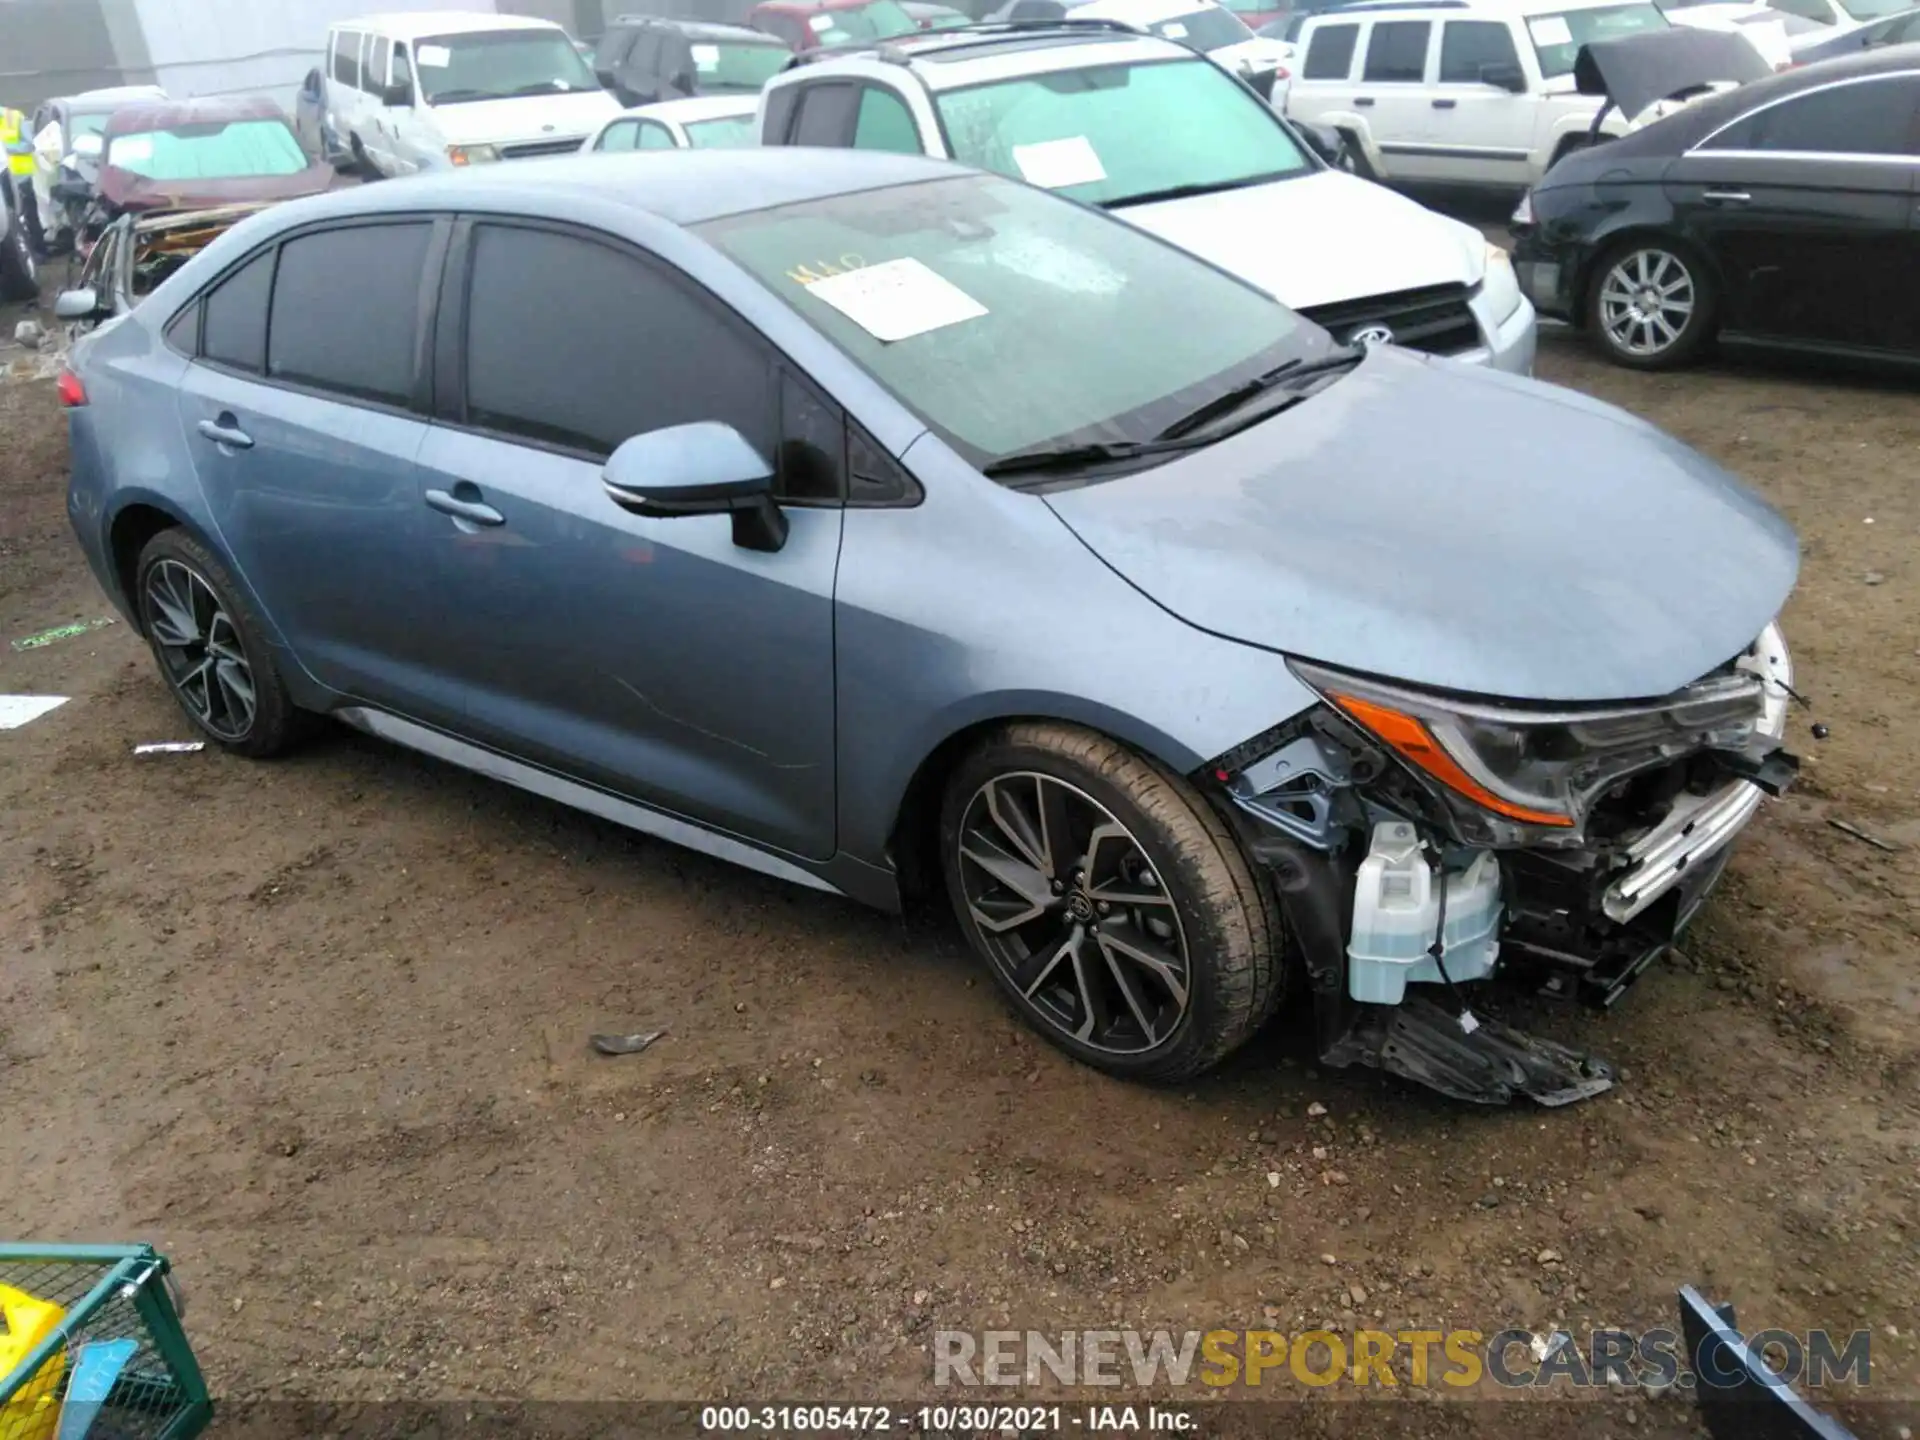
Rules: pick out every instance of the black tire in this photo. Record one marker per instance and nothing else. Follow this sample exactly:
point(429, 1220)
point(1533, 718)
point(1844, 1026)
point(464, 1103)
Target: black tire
point(1210, 909)
point(1357, 162)
point(1644, 345)
point(274, 724)
point(36, 231)
point(19, 273)
point(363, 165)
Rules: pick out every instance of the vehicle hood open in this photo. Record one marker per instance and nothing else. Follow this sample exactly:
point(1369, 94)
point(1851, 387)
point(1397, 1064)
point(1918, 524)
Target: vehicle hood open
point(1319, 239)
point(1450, 526)
point(1635, 71)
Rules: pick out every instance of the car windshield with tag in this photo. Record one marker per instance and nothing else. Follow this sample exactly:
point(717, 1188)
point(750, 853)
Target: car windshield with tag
point(1213, 28)
point(727, 66)
point(218, 150)
point(499, 65)
point(1010, 322)
point(1122, 134)
point(1557, 38)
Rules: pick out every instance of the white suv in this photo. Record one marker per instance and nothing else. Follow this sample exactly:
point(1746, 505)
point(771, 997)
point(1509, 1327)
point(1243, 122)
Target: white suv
point(1465, 92)
point(1168, 140)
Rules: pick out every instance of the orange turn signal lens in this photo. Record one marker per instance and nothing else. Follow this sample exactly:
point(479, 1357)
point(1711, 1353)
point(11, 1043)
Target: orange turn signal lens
point(1414, 743)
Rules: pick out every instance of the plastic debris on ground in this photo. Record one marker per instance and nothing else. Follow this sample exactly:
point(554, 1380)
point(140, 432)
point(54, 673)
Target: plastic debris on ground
point(62, 632)
point(626, 1044)
point(170, 747)
point(17, 710)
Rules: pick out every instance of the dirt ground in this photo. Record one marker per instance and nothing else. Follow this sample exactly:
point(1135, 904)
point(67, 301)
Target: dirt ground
point(318, 1029)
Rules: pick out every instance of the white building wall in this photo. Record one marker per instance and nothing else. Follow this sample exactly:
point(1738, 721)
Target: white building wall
point(229, 47)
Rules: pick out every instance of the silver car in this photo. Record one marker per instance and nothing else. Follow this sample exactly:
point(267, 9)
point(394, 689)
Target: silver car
point(877, 524)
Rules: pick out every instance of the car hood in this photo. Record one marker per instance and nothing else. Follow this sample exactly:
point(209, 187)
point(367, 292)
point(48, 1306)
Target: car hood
point(1450, 526)
point(525, 119)
point(1320, 238)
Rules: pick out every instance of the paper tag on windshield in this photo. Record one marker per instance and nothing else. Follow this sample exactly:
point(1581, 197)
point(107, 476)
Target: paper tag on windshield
point(706, 56)
point(1550, 30)
point(1052, 164)
point(131, 150)
point(1173, 30)
point(433, 57)
point(897, 299)
point(820, 22)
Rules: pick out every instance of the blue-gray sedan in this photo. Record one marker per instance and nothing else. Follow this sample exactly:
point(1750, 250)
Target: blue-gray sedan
point(874, 522)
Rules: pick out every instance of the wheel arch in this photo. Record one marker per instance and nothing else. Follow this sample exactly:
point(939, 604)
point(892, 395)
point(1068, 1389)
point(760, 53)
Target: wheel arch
point(139, 517)
point(913, 836)
point(1634, 226)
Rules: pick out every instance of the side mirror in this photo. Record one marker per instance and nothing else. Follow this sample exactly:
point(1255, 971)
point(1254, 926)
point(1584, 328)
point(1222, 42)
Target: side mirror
point(76, 305)
point(705, 468)
point(1504, 77)
point(89, 147)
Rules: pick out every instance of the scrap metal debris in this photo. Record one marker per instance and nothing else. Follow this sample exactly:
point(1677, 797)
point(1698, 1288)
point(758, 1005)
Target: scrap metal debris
point(62, 632)
point(1857, 833)
point(626, 1044)
point(170, 747)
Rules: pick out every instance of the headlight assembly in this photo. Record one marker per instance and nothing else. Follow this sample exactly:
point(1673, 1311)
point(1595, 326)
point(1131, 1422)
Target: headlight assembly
point(472, 154)
point(1526, 775)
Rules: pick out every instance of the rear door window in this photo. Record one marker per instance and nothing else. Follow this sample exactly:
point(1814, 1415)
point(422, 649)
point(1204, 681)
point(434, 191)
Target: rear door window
point(623, 135)
point(346, 57)
point(655, 136)
point(1397, 52)
point(358, 339)
point(885, 123)
point(236, 326)
point(1868, 117)
point(1330, 53)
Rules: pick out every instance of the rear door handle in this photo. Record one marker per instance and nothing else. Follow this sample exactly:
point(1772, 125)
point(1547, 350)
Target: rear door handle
point(226, 431)
point(1445, 104)
point(1726, 197)
point(1361, 101)
point(470, 510)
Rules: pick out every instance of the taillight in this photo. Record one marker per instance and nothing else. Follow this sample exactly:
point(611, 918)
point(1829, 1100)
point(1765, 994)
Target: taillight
point(71, 392)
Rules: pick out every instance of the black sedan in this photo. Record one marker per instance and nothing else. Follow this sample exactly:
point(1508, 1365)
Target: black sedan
point(1782, 213)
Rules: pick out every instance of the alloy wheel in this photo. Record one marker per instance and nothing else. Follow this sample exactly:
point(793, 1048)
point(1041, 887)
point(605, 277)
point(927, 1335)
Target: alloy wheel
point(1647, 301)
point(200, 649)
point(1073, 914)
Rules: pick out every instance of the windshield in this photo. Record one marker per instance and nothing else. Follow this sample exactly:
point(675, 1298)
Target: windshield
point(1118, 134)
point(728, 66)
point(497, 65)
point(1874, 9)
point(78, 125)
point(720, 134)
point(215, 150)
point(1557, 38)
point(1207, 29)
point(879, 20)
point(1014, 320)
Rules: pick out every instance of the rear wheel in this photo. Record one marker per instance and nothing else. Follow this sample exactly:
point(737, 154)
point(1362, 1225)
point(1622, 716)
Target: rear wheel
point(1651, 304)
point(1110, 903)
point(212, 652)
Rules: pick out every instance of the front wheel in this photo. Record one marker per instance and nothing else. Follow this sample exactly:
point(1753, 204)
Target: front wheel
point(1651, 305)
point(1110, 903)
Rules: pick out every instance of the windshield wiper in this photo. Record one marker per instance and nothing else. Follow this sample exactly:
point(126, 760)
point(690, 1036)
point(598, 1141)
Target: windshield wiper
point(1289, 374)
point(1074, 457)
point(541, 87)
point(1206, 187)
point(453, 95)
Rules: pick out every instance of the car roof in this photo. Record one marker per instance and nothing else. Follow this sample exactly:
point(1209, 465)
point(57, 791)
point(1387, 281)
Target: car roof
point(701, 29)
point(692, 109)
point(1140, 12)
point(413, 24)
point(143, 116)
point(809, 7)
point(944, 59)
point(681, 187)
point(89, 102)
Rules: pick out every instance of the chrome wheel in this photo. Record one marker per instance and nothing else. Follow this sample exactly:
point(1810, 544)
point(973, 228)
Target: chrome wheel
point(199, 649)
point(1647, 301)
point(1073, 914)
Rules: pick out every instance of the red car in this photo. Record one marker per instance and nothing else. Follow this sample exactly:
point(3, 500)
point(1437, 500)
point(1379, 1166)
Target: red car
point(199, 154)
point(811, 24)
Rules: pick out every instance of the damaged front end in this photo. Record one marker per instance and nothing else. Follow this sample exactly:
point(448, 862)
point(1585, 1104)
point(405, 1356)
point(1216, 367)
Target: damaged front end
point(1423, 842)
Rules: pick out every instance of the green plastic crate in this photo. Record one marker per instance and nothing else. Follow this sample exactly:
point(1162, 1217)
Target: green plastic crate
point(111, 1293)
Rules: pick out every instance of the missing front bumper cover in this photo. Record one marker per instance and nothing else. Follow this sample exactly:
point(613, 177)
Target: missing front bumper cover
point(1420, 1041)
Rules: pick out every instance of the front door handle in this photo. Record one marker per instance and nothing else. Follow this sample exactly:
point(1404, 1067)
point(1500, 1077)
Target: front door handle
point(470, 510)
point(1445, 104)
point(1361, 101)
point(1726, 197)
point(226, 431)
